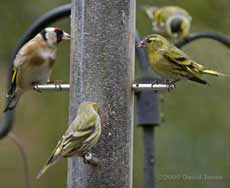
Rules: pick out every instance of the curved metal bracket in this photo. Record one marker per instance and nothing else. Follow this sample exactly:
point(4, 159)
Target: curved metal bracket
point(204, 35)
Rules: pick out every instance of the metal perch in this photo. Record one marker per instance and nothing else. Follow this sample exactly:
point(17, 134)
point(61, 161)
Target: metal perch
point(135, 86)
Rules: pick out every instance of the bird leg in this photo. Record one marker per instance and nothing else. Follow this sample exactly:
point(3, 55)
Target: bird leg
point(55, 82)
point(89, 158)
point(156, 81)
point(171, 83)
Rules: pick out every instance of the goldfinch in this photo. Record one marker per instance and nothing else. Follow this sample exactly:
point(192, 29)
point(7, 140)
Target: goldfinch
point(171, 22)
point(34, 62)
point(172, 63)
point(82, 134)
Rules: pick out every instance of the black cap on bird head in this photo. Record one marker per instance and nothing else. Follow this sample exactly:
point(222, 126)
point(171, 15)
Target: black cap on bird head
point(176, 25)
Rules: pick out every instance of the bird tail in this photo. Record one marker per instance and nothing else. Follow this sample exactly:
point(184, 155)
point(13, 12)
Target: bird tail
point(214, 73)
point(43, 170)
point(54, 158)
point(12, 100)
point(149, 10)
point(198, 80)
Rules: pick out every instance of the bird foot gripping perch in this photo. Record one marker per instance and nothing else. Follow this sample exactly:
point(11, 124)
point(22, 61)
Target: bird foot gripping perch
point(51, 87)
point(137, 86)
point(89, 158)
point(153, 86)
point(56, 85)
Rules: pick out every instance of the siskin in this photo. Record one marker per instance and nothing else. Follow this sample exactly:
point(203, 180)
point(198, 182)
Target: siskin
point(82, 134)
point(171, 22)
point(34, 62)
point(172, 63)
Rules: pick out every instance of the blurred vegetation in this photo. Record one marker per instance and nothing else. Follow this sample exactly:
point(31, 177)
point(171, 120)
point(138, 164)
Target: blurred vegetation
point(193, 140)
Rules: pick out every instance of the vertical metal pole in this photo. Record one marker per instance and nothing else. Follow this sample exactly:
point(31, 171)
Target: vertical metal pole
point(148, 116)
point(149, 157)
point(102, 70)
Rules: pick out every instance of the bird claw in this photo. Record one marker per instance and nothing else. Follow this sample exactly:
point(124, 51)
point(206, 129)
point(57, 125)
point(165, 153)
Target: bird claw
point(57, 83)
point(155, 82)
point(34, 84)
point(171, 84)
point(89, 158)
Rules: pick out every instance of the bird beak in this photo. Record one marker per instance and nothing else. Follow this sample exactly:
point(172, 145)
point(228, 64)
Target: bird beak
point(66, 36)
point(141, 44)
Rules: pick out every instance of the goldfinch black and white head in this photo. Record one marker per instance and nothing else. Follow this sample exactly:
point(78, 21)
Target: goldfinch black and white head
point(53, 36)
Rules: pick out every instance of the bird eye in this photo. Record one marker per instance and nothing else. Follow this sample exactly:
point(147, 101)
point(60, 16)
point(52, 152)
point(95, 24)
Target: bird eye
point(59, 34)
point(148, 40)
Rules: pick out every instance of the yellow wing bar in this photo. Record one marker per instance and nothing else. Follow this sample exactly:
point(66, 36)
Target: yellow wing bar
point(14, 74)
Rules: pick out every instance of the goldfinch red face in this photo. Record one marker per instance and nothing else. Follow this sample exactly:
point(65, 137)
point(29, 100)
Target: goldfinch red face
point(53, 36)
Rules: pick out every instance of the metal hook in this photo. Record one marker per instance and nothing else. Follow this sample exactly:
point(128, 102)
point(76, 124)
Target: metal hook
point(204, 35)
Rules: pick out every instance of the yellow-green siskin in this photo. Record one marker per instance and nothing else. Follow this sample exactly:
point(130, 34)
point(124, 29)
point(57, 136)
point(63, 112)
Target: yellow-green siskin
point(171, 22)
point(172, 63)
point(83, 133)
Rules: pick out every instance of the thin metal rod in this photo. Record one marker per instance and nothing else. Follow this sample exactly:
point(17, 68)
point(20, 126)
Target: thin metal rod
point(52, 87)
point(149, 158)
point(135, 86)
point(152, 87)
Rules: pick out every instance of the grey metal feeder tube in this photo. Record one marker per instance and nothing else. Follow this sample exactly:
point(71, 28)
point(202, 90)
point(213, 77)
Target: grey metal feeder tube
point(102, 70)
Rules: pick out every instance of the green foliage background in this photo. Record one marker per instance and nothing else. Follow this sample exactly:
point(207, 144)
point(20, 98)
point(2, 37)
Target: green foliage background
point(194, 138)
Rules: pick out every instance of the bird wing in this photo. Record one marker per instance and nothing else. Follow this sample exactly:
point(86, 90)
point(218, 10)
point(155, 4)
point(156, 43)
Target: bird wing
point(183, 62)
point(13, 82)
point(79, 131)
point(176, 56)
point(73, 138)
point(19, 60)
point(24, 53)
point(28, 50)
